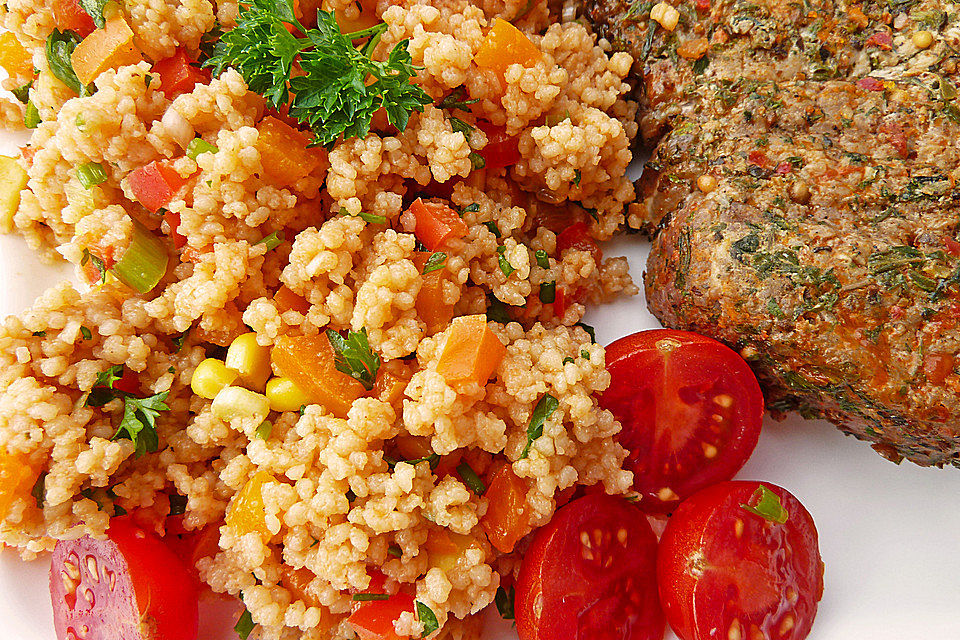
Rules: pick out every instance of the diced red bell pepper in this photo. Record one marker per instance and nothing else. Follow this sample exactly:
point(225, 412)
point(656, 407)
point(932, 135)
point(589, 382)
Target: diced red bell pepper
point(129, 382)
point(178, 75)
point(577, 236)
point(67, 14)
point(173, 221)
point(155, 185)
point(437, 224)
point(881, 39)
point(871, 84)
point(560, 302)
point(703, 5)
point(501, 150)
point(373, 619)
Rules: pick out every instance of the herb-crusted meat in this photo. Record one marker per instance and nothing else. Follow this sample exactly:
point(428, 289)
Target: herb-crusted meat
point(804, 191)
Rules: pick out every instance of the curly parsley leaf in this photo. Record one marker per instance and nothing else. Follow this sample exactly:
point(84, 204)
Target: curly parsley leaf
point(139, 422)
point(354, 356)
point(338, 87)
point(544, 409)
point(504, 601)
point(435, 262)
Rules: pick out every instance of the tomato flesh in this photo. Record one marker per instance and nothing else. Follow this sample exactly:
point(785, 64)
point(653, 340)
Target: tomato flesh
point(727, 572)
point(178, 75)
point(373, 619)
point(590, 575)
point(127, 587)
point(691, 411)
point(501, 150)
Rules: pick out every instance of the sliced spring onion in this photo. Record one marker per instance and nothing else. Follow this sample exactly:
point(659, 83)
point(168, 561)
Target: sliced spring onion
point(367, 597)
point(494, 229)
point(471, 479)
point(90, 174)
point(543, 260)
point(548, 292)
point(505, 265)
point(273, 240)
point(31, 116)
point(766, 504)
point(477, 160)
point(264, 430)
point(435, 262)
point(197, 146)
point(144, 262)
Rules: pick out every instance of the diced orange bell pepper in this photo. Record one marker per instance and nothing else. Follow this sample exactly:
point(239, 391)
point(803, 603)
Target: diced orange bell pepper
point(430, 305)
point(154, 185)
point(472, 352)
point(437, 224)
point(287, 300)
point(178, 75)
point(391, 382)
point(310, 362)
point(507, 519)
point(67, 14)
point(373, 619)
point(246, 512)
point(446, 547)
point(16, 480)
point(106, 48)
point(13, 57)
point(503, 46)
point(284, 153)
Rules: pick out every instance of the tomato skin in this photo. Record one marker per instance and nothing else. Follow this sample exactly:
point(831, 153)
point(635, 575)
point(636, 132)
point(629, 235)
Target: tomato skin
point(68, 15)
point(373, 619)
point(691, 411)
point(141, 590)
point(154, 185)
point(711, 577)
point(577, 236)
point(605, 591)
point(501, 150)
point(178, 75)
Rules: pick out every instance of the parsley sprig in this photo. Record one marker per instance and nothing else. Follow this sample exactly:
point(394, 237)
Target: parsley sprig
point(139, 422)
point(341, 86)
point(354, 357)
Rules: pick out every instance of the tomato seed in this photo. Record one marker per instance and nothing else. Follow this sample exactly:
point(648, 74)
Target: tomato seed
point(724, 400)
point(622, 536)
point(709, 451)
point(91, 598)
point(597, 537)
point(786, 625)
point(93, 569)
point(72, 566)
point(667, 494)
point(756, 634)
point(69, 584)
point(667, 345)
point(585, 539)
point(738, 528)
point(734, 633)
point(792, 595)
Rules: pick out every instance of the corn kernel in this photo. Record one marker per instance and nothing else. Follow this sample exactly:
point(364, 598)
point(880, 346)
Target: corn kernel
point(12, 180)
point(922, 39)
point(666, 15)
point(707, 183)
point(237, 402)
point(250, 360)
point(210, 377)
point(285, 395)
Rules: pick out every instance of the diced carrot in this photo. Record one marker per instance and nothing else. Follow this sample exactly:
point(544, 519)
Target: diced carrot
point(106, 48)
point(506, 519)
point(287, 300)
point(246, 512)
point(178, 75)
point(501, 150)
point(13, 57)
point(437, 224)
point(392, 380)
point(373, 619)
point(284, 153)
point(503, 46)
point(173, 221)
point(67, 14)
point(310, 362)
point(472, 352)
point(431, 307)
point(16, 480)
point(155, 185)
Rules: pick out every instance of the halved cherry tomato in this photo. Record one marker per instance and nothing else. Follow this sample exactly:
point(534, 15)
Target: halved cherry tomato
point(178, 75)
point(192, 545)
point(590, 574)
point(373, 619)
point(726, 572)
point(129, 586)
point(691, 411)
point(501, 150)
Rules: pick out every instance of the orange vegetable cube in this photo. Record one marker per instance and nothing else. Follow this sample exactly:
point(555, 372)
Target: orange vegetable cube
point(310, 362)
point(503, 46)
point(391, 382)
point(437, 224)
point(287, 300)
point(16, 480)
point(430, 305)
point(246, 512)
point(13, 57)
point(507, 518)
point(472, 352)
point(373, 619)
point(106, 48)
point(446, 547)
point(284, 153)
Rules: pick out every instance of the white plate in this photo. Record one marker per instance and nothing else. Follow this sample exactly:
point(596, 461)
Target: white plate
point(889, 535)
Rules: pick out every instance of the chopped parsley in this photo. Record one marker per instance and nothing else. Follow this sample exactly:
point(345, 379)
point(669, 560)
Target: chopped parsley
point(265, 430)
point(86, 333)
point(354, 357)
point(369, 597)
point(271, 241)
point(244, 625)
point(94, 8)
point(59, 48)
point(457, 99)
point(435, 262)
point(471, 479)
point(178, 504)
point(544, 409)
point(494, 229)
point(429, 619)
point(543, 260)
point(139, 414)
point(505, 265)
point(395, 551)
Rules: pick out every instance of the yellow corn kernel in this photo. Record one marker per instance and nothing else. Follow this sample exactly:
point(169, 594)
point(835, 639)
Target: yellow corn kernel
point(250, 360)
point(922, 39)
point(285, 395)
point(13, 179)
point(237, 402)
point(210, 377)
point(666, 15)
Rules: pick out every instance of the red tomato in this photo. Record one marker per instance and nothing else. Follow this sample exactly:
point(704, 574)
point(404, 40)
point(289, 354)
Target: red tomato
point(727, 572)
point(127, 587)
point(373, 619)
point(192, 545)
point(155, 185)
point(691, 411)
point(173, 221)
point(129, 382)
point(577, 236)
point(68, 15)
point(501, 150)
point(590, 574)
point(178, 75)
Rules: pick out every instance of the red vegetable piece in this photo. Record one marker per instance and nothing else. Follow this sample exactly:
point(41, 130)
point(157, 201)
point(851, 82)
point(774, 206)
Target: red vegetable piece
point(725, 571)
point(691, 411)
point(871, 84)
point(178, 75)
point(590, 574)
point(437, 224)
point(373, 619)
point(127, 587)
point(129, 382)
point(577, 236)
point(501, 150)
point(155, 185)
point(173, 221)
point(68, 15)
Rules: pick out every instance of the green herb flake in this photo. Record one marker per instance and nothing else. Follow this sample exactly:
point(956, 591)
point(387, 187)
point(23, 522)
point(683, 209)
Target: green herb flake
point(429, 619)
point(435, 262)
point(354, 356)
point(23, 93)
point(86, 333)
point(178, 341)
point(39, 334)
point(477, 160)
point(544, 409)
point(97, 262)
point(471, 479)
point(766, 504)
point(91, 174)
point(505, 602)
point(543, 260)
point(577, 176)
point(505, 265)
point(59, 48)
point(199, 146)
point(265, 430)
point(178, 504)
point(457, 100)
point(395, 551)
point(244, 625)
point(568, 359)
point(139, 422)
point(459, 126)
point(370, 597)
point(497, 311)
point(272, 241)
point(700, 65)
point(94, 9)
point(590, 331)
point(31, 116)
point(584, 354)
point(39, 489)
point(548, 292)
point(492, 226)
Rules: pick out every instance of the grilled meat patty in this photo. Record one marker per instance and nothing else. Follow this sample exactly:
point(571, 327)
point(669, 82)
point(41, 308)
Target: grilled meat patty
point(803, 191)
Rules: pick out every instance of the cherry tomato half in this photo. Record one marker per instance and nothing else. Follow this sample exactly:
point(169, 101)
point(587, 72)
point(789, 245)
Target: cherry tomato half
point(127, 587)
point(691, 411)
point(728, 572)
point(590, 575)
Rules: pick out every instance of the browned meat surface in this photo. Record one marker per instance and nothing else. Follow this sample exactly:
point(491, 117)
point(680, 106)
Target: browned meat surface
point(804, 186)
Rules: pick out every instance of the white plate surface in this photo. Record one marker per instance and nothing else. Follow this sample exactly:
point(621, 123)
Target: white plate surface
point(889, 535)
